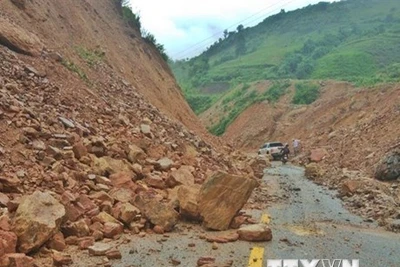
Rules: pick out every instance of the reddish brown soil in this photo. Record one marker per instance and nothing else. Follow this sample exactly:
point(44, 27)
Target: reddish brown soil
point(97, 24)
point(356, 125)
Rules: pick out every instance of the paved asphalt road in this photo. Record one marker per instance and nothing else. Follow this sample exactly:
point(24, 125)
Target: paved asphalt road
point(307, 222)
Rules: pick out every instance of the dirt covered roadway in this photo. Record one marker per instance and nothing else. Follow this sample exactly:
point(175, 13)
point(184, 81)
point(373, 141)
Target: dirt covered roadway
point(307, 222)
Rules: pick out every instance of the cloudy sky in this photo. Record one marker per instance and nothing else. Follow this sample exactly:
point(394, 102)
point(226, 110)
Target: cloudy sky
point(187, 27)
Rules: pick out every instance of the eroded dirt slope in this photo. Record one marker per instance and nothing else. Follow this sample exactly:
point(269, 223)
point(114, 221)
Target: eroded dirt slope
point(352, 123)
point(349, 129)
point(67, 26)
point(96, 140)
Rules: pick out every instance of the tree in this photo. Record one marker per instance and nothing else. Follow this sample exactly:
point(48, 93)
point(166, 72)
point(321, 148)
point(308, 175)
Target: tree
point(308, 47)
point(240, 28)
point(304, 69)
point(240, 44)
point(226, 34)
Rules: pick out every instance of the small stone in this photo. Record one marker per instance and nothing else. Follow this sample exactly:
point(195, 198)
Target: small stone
point(66, 122)
point(61, 259)
point(113, 254)
point(86, 242)
point(256, 232)
point(112, 229)
point(99, 249)
point(18, 260)
point(175, 262)
point(205, 260)
point(158, 230)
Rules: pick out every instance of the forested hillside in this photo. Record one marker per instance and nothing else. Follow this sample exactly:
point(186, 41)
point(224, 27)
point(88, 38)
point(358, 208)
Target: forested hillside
point(355, 40)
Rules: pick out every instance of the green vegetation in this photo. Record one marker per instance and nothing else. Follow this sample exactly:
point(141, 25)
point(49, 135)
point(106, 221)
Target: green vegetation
point(133, 20)
point(74, 68)
point(199, 103)
point(355, 40)
point(91, 57)
point(239, 99)
point(275, 92)
point(245, 100)
point(305, 93)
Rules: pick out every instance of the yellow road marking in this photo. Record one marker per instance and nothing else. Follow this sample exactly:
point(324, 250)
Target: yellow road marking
point(257, 253)
point(256, 257)
point(265, 219)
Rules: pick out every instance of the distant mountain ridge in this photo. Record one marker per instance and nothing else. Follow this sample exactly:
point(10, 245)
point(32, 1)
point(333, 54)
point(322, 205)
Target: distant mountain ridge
point(355, 40)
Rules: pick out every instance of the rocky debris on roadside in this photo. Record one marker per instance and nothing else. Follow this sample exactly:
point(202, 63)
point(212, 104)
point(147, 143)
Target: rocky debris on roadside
point(258, 165)
point(313, 171)
point(156, 212)
point(76, 170)
point(394, 225)
point(370, 198)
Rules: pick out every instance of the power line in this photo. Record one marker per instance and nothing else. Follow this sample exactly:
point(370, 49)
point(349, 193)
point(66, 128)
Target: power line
point(196, 46)
point(218, 33)
point(199, 45)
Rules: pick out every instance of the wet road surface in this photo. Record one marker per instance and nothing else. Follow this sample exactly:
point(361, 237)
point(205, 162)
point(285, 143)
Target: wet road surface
point(307, 222)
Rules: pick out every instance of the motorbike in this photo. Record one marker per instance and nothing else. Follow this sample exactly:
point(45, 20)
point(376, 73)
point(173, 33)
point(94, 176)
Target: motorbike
point(284, 158)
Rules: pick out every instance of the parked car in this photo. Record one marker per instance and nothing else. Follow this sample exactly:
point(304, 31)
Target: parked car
point(271, 148)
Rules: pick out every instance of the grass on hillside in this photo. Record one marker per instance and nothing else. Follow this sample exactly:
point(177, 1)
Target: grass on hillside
point(355, 40)
point(305, 93)
point(243, 97)
point(70, 65)
point(91, 57)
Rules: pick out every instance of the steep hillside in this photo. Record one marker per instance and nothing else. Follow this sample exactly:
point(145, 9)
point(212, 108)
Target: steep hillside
point(96, 139)
point(80, 30)
point(354, 40)
point(350, 129)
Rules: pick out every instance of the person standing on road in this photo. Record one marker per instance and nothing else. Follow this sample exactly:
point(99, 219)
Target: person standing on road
point(296, 146)
point(285, 150)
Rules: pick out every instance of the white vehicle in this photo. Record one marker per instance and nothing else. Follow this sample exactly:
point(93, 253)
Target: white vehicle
point(271, 148)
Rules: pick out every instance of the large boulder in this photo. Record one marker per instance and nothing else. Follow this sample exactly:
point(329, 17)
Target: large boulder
point(318, 154)
point(182, 176)
point(106, 166)
point(188, 197)
point(221, 196)
point(36, 220)
point(156, 212)
point(388, 168)
point(18, 39)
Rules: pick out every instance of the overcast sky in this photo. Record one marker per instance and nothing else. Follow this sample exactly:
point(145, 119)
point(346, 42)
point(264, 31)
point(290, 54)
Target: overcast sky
point(186, 28)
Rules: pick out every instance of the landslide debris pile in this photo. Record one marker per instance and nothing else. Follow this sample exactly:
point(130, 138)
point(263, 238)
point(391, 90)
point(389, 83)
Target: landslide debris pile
point(349, 136)
point(78, 166)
